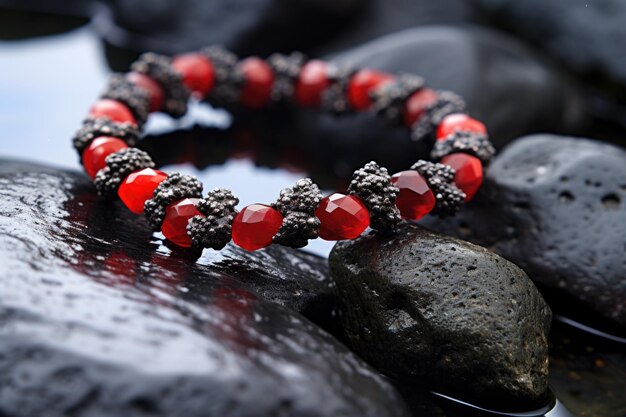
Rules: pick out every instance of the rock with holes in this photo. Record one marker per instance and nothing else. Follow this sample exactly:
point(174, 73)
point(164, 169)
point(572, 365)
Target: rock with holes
point(556, 206)
point(97, 318)
point(442, 312)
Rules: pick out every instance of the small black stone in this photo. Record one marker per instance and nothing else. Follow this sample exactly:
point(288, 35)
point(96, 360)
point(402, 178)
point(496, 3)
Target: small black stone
point(118, 166)
point(372, 184)
point(103, 126)
point(175, 187)
point(159, 68)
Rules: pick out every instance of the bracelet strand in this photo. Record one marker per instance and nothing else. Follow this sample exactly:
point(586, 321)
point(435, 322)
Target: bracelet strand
point(173, 203)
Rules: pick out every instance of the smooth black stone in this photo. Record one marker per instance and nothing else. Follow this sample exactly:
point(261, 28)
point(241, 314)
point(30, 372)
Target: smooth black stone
point(503, 82)
point(587, 37)
point(97, 318)
point(441, 312)
point(556, 206)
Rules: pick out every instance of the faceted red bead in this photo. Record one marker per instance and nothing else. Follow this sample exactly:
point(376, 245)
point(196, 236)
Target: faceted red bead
point(255, 226)
point(138, 187)
point(459, 122)
point(362, 83)
point(177, 216)
point(259, 79)
point(415, 199)
point(94, 156)
point(342, 217)
point(416, 104)
point(469, 172)
point(113, 109)
point(312, 82)
point(153, 88)
point(197, 72)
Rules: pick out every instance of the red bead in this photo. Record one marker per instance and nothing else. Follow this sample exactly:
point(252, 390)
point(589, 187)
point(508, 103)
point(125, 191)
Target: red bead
point(342, 217)
point(469, 172)
point(312, 82)
point(362, 83)
point(257, 87)
point(417, 103)
point(197, 72)
point(459, 122)
point(255, 226)
point(177, 216)
point(113, 109)
point(94, 156)
point(153, 88)
point(415, 199)
point(139, 187)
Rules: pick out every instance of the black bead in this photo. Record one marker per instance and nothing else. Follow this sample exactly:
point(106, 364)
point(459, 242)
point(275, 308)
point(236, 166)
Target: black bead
point(228, 81)
point(297, 205)
point(118, 166)
point(286, 69)
point(103, 126)
point(441, 181)
point(372, 184)
point(475, 144)
point(175, 187)
point(214, 229)
point(388, 100)
point(135, 98)
point(334, 97)
point(158, 67)
point(426, 126)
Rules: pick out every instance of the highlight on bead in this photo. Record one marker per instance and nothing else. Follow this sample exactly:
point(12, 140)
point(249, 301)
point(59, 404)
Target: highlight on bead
point(173, 203)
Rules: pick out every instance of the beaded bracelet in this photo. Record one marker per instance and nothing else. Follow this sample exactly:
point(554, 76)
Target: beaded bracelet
point(173, 203)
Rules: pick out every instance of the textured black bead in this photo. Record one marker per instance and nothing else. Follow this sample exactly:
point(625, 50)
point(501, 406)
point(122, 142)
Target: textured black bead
point(175, 187)
point(441, 181)
point(135, 98)
point(227, 86)
point(103, 126)
point(214, 229)
point(388, 100)
point(286, 69)
point(158, 67)
point(334, 97)
point(372, 184)
point(426, 126)
point(297, 206)
point(476, 144)
point(118, 166)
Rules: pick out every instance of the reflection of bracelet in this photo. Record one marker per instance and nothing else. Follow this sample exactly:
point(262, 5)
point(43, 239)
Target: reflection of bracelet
point(173, 202)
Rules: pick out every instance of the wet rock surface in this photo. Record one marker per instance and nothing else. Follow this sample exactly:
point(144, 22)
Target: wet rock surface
point(437, 311)
point(503, 82)
point(97, 318)
point(556, 206)
point(588, 37)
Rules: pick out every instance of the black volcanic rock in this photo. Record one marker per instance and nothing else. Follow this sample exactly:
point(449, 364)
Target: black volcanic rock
point(556, 206)
point(587, 37)
point(434, 310)
point(97, 318)
point(503, 82)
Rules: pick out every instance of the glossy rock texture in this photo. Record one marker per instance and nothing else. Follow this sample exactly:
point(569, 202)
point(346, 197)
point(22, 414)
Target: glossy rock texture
point(97, 318)
point(434, 310)
point(556, 206)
